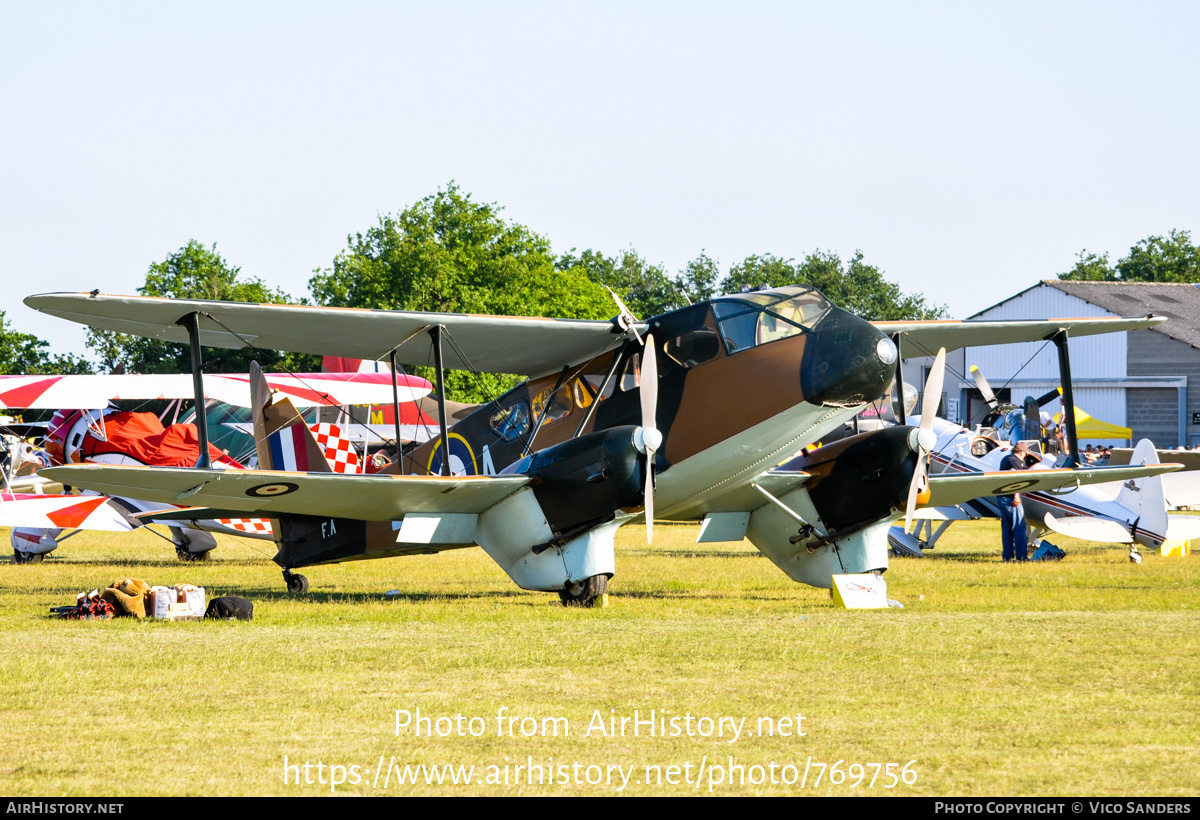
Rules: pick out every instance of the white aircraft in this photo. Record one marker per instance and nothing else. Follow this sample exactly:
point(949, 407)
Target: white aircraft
point(683, 417)
point(1130, 512)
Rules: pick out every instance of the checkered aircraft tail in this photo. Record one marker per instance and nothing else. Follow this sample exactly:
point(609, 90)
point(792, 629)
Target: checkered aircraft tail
point(338, 451)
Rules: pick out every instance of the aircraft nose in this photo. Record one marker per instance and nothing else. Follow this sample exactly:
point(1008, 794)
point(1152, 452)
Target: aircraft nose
point(846, 362)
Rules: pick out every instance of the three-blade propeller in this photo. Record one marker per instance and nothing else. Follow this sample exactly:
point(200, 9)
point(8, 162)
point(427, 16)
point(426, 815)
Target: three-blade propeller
point(985, 389)
point(648, 438)
point(925, 438)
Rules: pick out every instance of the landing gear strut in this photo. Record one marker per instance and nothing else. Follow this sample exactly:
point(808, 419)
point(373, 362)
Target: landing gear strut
point(586, 592)
point(296, 584)
point(27, 557)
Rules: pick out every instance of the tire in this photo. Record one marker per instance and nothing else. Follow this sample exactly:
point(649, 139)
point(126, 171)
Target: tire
point(296, 584)
point(586, 592)
point(27, 557)
point(183, 554)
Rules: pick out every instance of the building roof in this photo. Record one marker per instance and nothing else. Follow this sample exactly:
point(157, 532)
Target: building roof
point(1178, 301)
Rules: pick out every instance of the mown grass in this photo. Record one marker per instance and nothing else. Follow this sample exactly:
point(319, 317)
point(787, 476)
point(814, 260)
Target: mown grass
point(1071, 678)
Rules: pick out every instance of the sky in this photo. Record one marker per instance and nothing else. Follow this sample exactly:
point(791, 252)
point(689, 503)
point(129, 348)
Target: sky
point(968, 150)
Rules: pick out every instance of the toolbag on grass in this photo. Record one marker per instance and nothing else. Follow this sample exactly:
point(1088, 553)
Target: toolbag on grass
point(229, 606)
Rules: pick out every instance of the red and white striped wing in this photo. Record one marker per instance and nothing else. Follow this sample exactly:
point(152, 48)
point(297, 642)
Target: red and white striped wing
point(69, 512)
point(305, 389)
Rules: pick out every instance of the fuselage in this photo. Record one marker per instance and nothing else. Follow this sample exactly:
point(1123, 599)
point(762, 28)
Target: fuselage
point(745, 381)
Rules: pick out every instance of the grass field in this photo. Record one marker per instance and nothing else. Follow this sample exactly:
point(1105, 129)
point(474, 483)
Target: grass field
point(1073, 678)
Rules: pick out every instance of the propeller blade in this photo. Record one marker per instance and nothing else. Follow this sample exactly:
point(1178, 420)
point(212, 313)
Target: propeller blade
point(925, 438)
point(650, 435)
point(984, 388)
point(630, 322)
point(914, 489)
point(649, 384)
point(933, 390)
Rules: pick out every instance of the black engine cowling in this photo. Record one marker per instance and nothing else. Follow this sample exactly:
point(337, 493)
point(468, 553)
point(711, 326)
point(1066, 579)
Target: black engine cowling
point(585, 480)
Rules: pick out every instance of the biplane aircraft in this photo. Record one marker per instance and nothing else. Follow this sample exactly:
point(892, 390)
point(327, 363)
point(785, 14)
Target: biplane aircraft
point(1130, 512)
point(684, 416)
point(89, 428)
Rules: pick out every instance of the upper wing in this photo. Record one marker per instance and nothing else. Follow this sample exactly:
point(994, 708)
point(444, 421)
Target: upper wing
point(305, 389)
point(924, 338)
point(496, 344)
point(945, 489)
point(366, 497)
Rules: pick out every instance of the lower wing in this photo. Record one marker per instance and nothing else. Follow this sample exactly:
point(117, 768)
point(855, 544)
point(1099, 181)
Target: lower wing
point(267, 493)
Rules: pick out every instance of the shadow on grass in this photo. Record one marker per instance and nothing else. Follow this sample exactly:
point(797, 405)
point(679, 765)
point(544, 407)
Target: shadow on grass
point(318, 596)
point(645, 552)
point(71, 561)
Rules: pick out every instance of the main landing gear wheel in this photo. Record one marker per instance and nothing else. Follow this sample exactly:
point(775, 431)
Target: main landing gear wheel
point(296, 584)
point(27, 557)
point(585, 592)
point(183, 554)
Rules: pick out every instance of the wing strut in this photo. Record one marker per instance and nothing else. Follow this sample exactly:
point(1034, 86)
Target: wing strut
point(435, 333)
point(900, 417)
point(192, 322)
point(1059, 338)
point(396, 411)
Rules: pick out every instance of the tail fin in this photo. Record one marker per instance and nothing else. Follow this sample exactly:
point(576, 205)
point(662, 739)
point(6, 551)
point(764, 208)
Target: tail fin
point(1144, 496)
point(281, 436)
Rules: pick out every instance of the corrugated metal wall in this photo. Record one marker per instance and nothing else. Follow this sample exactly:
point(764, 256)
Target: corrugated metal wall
point(1092, 357)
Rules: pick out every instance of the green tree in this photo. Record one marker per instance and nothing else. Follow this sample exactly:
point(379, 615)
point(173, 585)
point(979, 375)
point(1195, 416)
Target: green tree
point(858, 287)
point(1171, 258)
point(700, 279)
point(644, 288)
point(26, 354)
point(448, 253)
point(1091, 267)
point(195, 272)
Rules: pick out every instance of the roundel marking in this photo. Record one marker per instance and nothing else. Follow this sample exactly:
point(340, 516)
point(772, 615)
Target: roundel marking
point(272, 490)
point(1015, 487)
point(462, 458)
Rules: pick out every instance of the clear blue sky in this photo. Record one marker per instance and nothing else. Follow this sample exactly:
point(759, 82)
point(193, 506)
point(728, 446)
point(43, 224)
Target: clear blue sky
point(967, 149)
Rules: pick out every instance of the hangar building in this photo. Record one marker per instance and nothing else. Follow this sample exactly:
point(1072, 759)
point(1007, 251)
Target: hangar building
point(1138, 379)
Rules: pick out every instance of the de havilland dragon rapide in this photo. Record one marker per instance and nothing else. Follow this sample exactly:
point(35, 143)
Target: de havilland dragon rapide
point(686, 416)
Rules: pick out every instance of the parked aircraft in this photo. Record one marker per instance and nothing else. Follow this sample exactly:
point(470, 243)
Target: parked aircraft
point(97, 433)
point(1130, 512)
point(682, 417)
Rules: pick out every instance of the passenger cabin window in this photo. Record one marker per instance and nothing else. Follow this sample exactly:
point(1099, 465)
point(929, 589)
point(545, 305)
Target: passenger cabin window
point(694, 347)
point(512, 422)
point(631, 376)
point(751, 319)
point(555, 403)
point(587, 388)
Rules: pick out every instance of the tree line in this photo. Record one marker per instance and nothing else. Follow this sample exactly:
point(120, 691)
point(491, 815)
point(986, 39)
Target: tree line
point(449, 253)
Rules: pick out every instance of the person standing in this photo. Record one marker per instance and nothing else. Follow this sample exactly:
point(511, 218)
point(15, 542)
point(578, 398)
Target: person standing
point(1012, 514)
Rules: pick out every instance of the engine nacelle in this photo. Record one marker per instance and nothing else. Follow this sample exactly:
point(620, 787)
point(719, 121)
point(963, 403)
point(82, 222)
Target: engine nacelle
point(584, 481)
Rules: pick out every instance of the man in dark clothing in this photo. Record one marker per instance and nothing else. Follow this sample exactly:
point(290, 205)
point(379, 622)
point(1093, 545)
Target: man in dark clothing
point(1012, 514)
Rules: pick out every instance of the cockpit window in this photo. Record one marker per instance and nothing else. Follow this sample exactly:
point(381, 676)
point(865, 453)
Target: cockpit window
point(750, 319)
point(511, 422)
